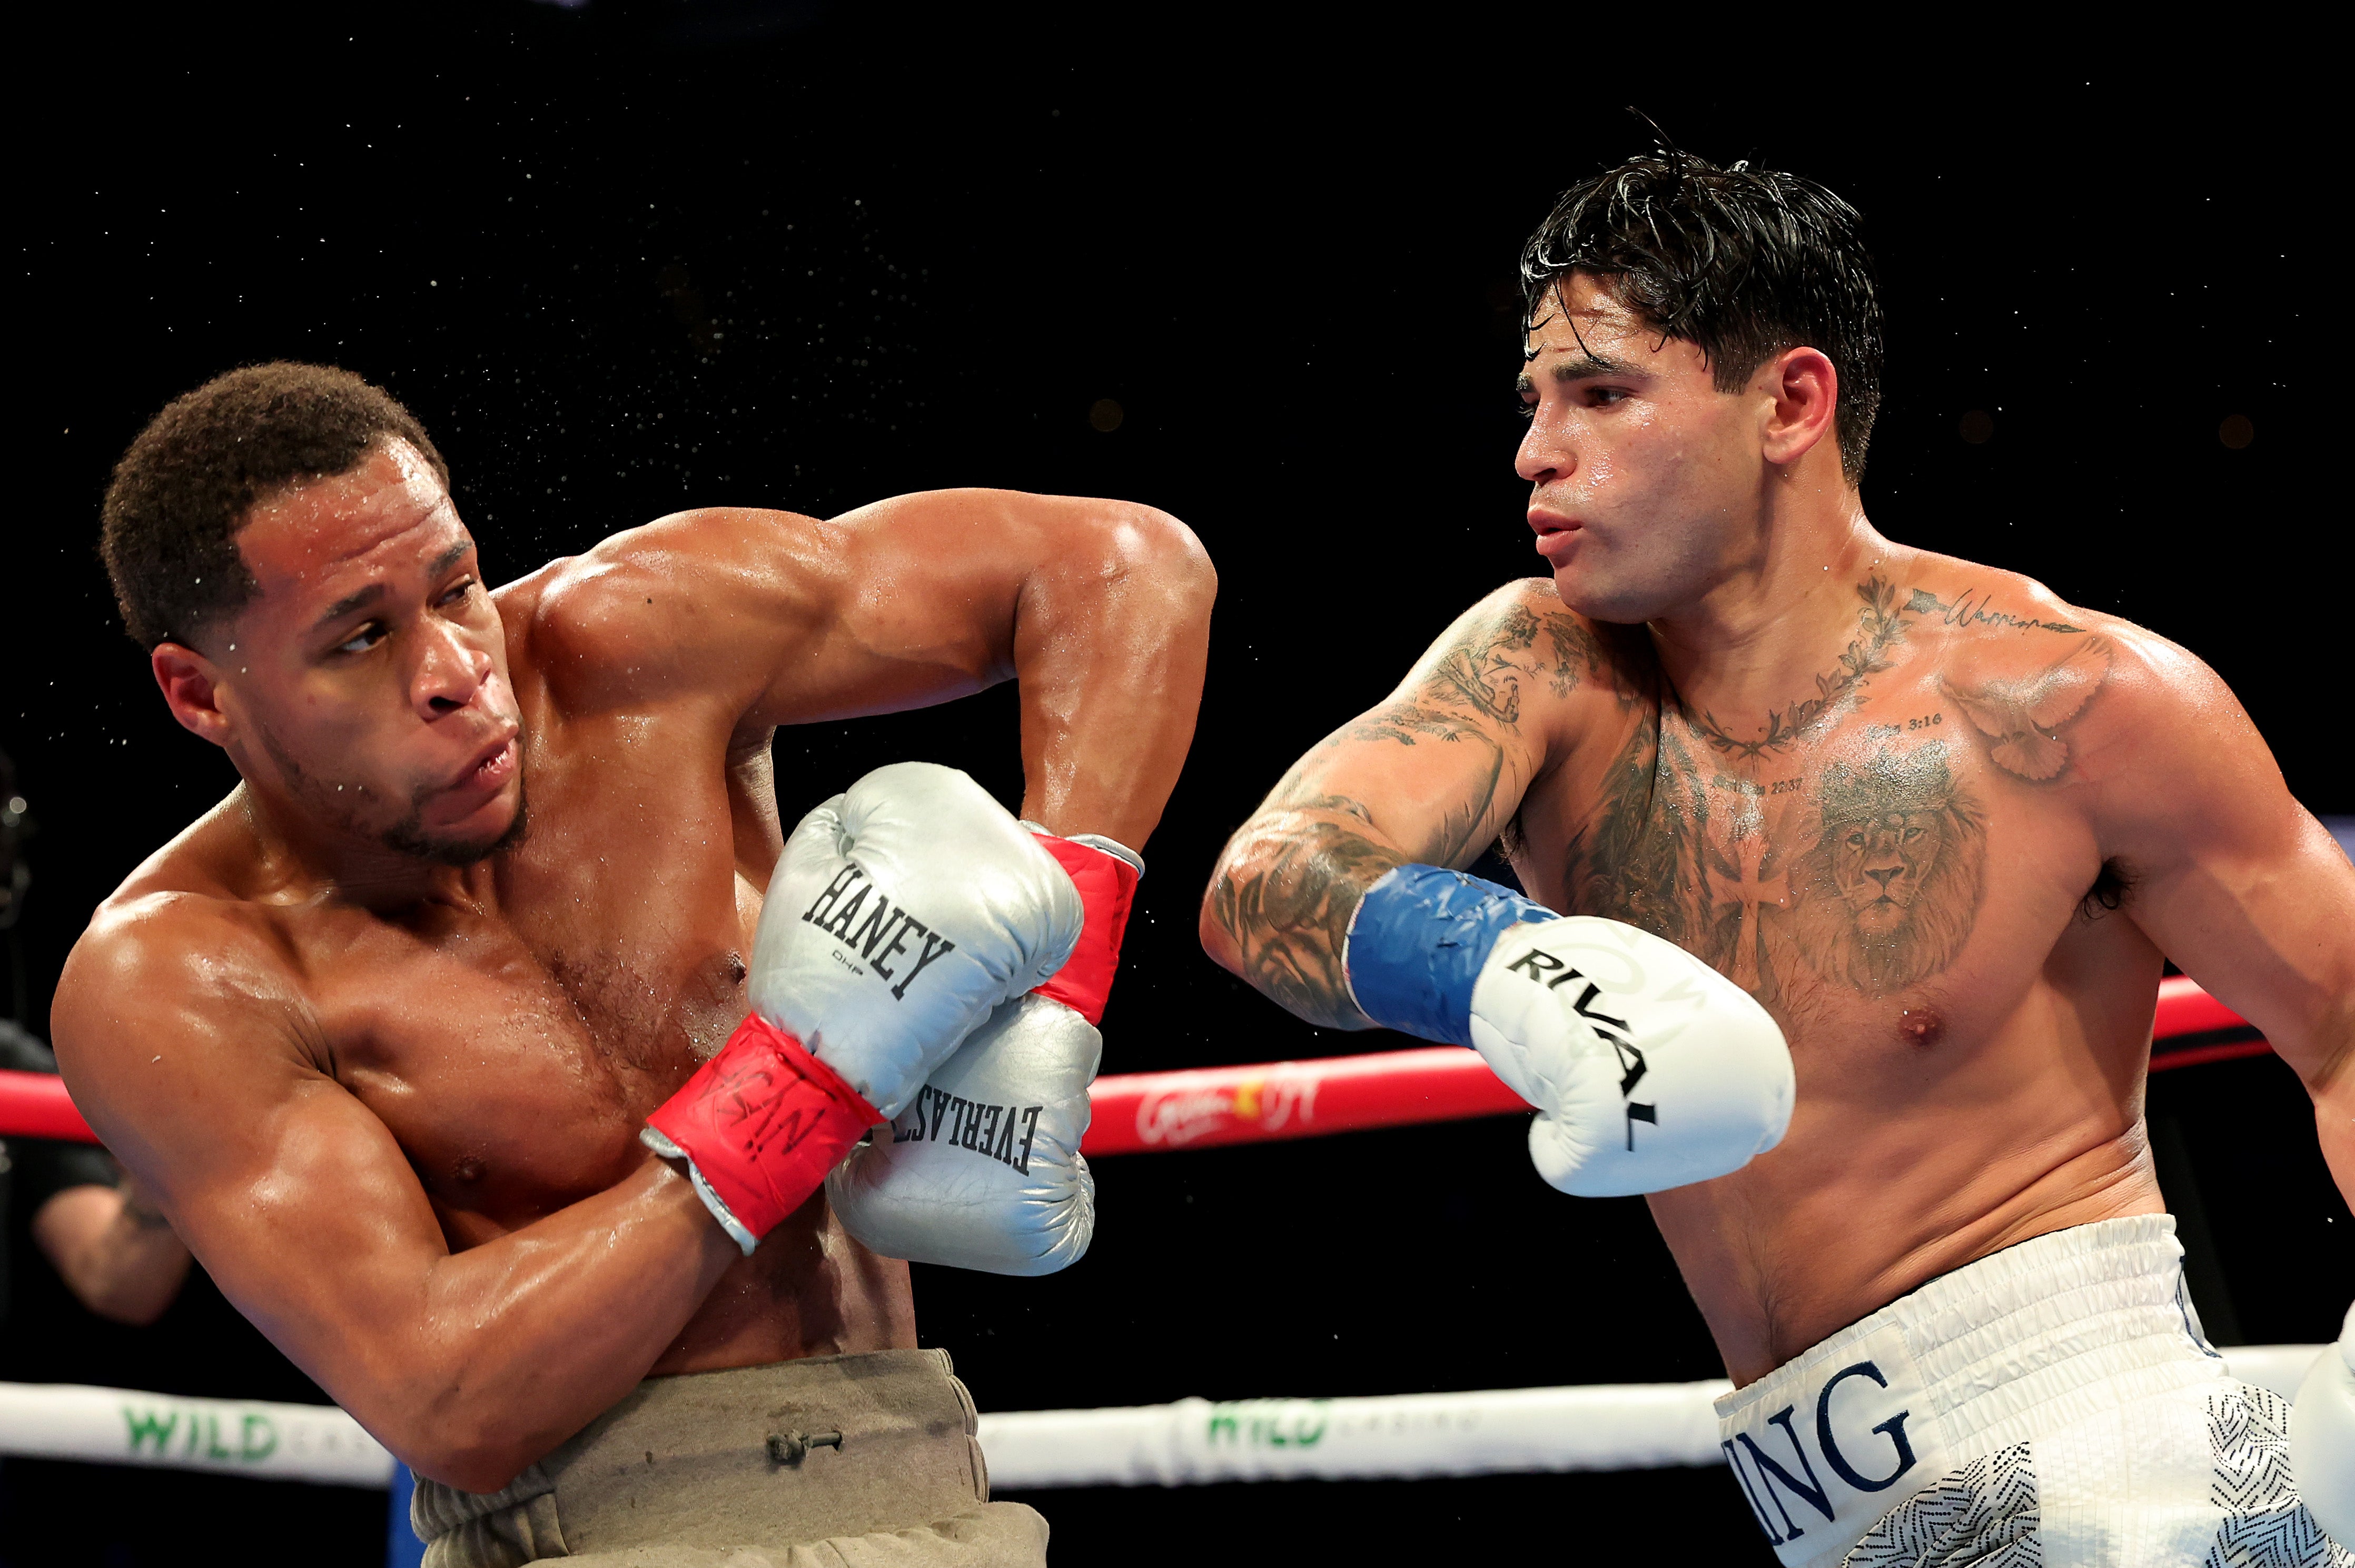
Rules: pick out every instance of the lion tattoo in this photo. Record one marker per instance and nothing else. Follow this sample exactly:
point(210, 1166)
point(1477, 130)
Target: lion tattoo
point(1892, 886)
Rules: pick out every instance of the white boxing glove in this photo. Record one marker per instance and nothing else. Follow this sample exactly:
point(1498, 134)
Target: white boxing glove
point(1648, 1069)
point(902, 914)
point(917, 905)
point(2322, 1438)
point(981, 1169)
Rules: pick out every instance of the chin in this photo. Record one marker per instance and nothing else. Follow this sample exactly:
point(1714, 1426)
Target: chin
point(1612, 604)
point(461, 846)
point(1628, 586)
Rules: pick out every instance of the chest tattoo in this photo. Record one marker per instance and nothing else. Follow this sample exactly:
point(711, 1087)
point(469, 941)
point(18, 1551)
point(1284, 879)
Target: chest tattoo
point(1872, 880)
point(1880, 623)
point(2022, 720)
point(1865, 877)
point(1892, 883)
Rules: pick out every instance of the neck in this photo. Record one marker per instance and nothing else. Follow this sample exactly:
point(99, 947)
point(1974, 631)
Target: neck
point(308, 859)
point(1778, 616)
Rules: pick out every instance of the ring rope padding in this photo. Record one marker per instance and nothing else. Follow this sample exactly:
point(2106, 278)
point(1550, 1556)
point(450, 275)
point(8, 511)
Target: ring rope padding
point(258, 1438)
point(1138, 1113)
point(1192, 1441)
point(1202, 1107)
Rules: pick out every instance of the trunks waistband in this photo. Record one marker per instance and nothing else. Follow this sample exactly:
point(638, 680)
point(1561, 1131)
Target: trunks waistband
point(2028, 1340)
point(795, 1451)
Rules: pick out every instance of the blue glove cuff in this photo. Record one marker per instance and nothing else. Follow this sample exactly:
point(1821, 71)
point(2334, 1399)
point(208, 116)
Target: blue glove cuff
point(1417, 944)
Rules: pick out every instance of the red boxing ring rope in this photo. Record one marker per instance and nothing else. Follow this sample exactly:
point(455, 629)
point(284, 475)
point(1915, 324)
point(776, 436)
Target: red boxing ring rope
point(1139, 1112)
point(1136, 1113)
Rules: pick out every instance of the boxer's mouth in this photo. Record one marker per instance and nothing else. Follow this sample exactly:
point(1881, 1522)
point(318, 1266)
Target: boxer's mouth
point(1556, 535)
point(493, 766)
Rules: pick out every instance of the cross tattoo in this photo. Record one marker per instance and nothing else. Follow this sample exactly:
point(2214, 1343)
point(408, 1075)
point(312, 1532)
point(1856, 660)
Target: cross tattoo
point(1749, 890)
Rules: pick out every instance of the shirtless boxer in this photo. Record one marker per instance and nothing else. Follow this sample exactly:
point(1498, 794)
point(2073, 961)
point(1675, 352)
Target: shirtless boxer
point(393, 1051)
point(1942, 827)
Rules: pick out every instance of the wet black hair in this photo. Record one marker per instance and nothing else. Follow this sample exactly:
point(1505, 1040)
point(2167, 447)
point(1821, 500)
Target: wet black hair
point(169, 527)
point(1741, 263)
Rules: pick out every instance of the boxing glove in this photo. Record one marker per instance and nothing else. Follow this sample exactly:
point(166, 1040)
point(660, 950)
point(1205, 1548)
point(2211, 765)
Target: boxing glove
point(983, 1170)
point(902, 914)
point(1648, 1069)
point(2322, 1438)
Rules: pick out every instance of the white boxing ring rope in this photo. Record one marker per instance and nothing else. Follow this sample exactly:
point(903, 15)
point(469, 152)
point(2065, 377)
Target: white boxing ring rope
point(1592, 1426)
point(1194, 1442)
point(231, 1436)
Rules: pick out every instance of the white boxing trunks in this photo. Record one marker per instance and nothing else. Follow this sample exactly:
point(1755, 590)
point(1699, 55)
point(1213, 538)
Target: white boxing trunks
point(2053, 1405)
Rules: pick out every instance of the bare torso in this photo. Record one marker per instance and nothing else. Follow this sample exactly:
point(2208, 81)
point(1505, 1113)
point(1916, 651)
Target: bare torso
point(513, 1049)
point(388, 1085)
point(1903, 868)
point(1942, 824)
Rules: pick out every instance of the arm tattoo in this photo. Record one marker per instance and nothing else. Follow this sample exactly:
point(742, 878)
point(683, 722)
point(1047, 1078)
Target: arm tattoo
point(1285, 896)
point(1290, 882)
point(1402, 722)
point(1476, 679)
point(1459, 837)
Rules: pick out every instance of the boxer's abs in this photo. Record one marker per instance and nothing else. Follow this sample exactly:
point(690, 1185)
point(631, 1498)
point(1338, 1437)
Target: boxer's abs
point(1784, 1253)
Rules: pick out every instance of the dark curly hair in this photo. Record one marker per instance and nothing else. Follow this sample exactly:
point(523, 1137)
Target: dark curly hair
point(189, 481)
point(1741, 263)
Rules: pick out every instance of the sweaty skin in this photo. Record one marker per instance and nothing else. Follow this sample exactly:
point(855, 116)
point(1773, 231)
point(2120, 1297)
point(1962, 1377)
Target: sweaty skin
point(393, 1104)
point(1945, 827)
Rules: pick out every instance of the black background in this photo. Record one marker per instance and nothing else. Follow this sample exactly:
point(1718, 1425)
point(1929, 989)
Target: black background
point(623, 261)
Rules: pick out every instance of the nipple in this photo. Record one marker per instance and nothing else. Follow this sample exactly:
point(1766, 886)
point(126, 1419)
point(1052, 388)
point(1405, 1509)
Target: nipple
point(1921, 1026)
point(470, 1170)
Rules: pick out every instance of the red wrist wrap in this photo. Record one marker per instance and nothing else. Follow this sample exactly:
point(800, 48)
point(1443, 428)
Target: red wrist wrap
point(764, 1121)
point(1107, 887)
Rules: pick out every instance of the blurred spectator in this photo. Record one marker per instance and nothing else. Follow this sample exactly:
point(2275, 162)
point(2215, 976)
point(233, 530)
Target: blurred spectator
point(112, 1249)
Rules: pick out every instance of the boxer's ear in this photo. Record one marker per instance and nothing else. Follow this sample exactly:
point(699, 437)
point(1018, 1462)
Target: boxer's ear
point(1806, 390)
point(187, 679)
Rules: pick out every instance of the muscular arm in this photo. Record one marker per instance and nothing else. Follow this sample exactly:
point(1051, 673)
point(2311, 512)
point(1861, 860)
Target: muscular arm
point(1099, 610)
point(1432, 775)
point(187, 1047)
point(2230, 876)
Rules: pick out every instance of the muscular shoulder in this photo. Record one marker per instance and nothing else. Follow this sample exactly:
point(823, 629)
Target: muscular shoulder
point(1520, 654)
point(1979, 615)
point(638, 614)
point(2056, 693)
point(159, 983)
